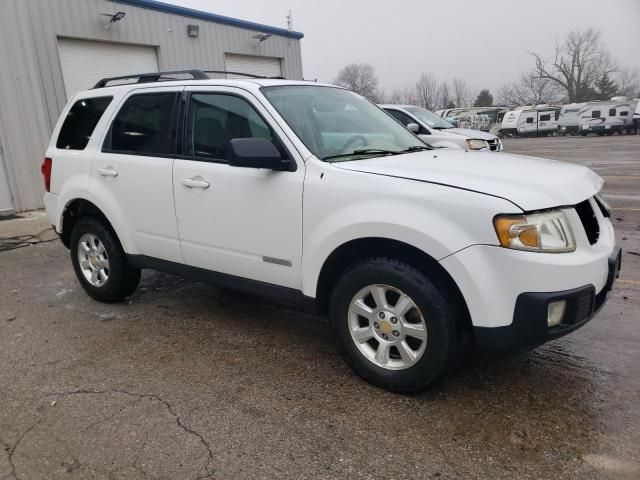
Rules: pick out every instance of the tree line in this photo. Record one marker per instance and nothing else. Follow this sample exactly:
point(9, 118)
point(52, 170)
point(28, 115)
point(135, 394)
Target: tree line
point(580, 69)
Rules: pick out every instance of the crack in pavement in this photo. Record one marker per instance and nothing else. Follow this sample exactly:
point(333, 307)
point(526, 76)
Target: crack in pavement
point(11, 450)
point(208, 473)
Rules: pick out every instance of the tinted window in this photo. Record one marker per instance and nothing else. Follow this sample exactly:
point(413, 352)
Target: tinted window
point(595, 113)
point(215, 119)
point(624, 113)
point(529, 119)
point(612, 112)
point(403, 118)
point(144, 125)
point(545, 118)
point(80, 122)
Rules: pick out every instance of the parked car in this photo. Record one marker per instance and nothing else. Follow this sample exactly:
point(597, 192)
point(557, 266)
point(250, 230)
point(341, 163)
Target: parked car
point(437, 132)
point(311, 193)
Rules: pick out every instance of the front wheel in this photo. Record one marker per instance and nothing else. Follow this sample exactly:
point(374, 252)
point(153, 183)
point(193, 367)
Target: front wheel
point(392, 325)
point(100, 262)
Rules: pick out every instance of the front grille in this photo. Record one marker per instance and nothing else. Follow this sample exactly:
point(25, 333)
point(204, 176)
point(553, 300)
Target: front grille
point(493, 144)
point(589, 221)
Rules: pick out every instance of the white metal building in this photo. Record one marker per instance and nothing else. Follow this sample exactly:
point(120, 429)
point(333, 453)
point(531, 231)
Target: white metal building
point(51, 49)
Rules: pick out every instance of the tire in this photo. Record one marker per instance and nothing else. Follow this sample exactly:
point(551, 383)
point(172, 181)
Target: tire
point(429, 360)
point(102, 253)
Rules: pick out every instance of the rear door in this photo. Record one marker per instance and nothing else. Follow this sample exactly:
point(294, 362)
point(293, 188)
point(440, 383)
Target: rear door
point(133, 171)
point(245, 222)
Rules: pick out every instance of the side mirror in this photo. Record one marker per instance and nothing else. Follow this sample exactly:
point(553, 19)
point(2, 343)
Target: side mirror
point(256, 153)
point(414, 127)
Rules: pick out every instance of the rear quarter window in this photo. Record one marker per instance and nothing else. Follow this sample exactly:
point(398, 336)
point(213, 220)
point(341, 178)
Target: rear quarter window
point(81, 120)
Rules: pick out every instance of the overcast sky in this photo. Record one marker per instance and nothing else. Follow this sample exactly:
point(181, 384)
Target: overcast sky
point(484, 42)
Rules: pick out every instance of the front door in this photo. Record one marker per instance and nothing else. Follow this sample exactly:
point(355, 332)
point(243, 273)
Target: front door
point(245, 222)
point(133, 172)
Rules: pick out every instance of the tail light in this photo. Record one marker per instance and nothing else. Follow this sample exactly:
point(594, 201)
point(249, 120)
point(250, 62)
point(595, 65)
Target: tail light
point(46, 167)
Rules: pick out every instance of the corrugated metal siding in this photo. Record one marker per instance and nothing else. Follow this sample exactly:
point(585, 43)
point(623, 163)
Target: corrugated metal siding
point(32, 91)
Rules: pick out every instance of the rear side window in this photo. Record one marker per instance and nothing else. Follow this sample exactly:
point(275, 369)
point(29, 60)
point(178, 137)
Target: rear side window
point(80, 122)
point(595, 114)
point(624, 113)
point(612, 112)
point(145, 125)
point(545, 118)
point(529, 119)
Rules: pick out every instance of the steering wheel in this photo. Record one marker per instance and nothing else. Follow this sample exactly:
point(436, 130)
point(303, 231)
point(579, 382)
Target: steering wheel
point(353, 140)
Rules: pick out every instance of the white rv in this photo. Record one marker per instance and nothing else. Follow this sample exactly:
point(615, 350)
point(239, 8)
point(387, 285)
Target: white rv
point(568, 123)
point(486, 119)
point(540, 120)
point(608, 117)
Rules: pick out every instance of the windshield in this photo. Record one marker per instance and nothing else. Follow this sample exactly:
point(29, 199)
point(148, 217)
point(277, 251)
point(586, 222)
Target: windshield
point(430, 118)
point(337, 124)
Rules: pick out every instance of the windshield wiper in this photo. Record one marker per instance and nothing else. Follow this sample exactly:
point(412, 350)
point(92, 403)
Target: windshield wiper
point(417, 148)
point(380, 151)
point(365, 151)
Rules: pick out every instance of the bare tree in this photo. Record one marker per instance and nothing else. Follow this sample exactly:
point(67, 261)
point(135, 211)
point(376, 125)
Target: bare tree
point(444, 95)
point(360, 78)
point(628, 82)
point(427, 92)
point(529, 90)
point(462, 95)
point(580, 60)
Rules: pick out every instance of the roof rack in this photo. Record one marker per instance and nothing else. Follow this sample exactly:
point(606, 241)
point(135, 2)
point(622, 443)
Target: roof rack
point(165, 76)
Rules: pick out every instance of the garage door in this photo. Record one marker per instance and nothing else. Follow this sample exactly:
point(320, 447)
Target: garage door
point(263, 66)
point(85, 62)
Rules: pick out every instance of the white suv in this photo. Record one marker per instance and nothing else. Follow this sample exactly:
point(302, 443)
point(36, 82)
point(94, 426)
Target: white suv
point(311, 193)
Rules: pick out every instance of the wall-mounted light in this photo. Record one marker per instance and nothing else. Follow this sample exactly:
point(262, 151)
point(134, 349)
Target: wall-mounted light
point(193, 30)
point(113, 18)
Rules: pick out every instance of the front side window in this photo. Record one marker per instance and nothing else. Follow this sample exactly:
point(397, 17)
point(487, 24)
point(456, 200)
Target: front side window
point(612, 112)
point(529, 119)
point(624, 113)
point(214, 119)
point(430, 118)
point(402, 117)
point(80, 122)
point(145, 125)
point(336, 124)
point(595, 113)
point(545, 118)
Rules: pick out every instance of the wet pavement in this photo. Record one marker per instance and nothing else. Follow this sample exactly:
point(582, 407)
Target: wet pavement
point(185, 380)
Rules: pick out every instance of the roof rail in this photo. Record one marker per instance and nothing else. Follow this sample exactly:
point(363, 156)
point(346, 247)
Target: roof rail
point(249, 75)
point(153, 77)
point(162, 76)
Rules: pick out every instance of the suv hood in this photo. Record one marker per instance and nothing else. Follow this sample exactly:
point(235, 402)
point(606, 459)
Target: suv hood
point(466, 132)
point(530, 183)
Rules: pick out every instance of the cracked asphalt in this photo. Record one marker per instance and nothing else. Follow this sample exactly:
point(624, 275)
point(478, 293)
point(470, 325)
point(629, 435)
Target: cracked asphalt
point(184, 380)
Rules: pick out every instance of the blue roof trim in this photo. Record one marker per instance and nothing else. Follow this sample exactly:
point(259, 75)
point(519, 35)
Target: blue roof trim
point(211, 17)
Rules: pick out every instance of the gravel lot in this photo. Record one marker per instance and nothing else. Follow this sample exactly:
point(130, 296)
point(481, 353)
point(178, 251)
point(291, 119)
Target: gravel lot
point(189, 381)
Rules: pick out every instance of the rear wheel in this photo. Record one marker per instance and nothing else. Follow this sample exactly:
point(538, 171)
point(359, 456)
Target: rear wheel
point(393, 326)
point(100, 262)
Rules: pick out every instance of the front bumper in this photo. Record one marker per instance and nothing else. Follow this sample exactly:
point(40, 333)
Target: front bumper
point(529, 326)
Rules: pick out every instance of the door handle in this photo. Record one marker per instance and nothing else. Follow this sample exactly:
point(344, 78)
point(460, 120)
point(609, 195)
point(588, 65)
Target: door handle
point(108, 172)
point(195, 182)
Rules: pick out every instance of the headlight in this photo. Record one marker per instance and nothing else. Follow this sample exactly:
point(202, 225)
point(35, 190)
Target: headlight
point(539, 232)
point(476, 144)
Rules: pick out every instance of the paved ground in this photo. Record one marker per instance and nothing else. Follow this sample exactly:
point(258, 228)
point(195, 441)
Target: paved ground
point(188, 381)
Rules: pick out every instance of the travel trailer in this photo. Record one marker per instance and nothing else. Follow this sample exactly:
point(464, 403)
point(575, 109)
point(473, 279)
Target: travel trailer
point(540, 120)
point(608, 117)
point(486, 119)
point(568, 121)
